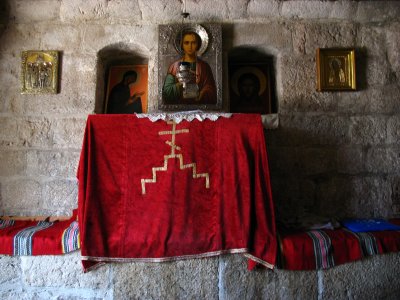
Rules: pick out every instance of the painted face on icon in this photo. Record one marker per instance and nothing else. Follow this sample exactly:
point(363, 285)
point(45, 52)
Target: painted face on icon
point(190, 44)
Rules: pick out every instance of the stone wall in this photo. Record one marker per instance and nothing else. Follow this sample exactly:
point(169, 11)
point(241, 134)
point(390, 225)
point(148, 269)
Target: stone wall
point(334, 154)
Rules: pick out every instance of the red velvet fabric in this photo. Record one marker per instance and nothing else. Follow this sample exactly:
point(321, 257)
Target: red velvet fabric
point(178, 216)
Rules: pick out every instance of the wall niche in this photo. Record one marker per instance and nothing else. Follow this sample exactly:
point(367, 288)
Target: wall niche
point(252, 83)
point(113, 55)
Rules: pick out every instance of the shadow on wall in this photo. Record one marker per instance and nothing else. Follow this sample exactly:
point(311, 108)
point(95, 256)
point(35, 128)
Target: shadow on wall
point(113, 55)
point(306, 184)
point(4, 15)
point(317, 174)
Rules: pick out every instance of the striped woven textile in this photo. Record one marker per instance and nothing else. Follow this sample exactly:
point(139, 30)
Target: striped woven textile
point(23, 239)
point(367, 242)
point(27, 237)
point(70, 238)
point(6, 223)
point(323, 249)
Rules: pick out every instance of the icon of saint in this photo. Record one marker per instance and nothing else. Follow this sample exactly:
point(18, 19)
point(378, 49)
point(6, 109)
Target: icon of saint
point(336, 72)
point(121, 99)
point(190, 80)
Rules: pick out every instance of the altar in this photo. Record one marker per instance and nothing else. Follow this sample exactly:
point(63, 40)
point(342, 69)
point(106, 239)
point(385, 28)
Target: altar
point(161, 190)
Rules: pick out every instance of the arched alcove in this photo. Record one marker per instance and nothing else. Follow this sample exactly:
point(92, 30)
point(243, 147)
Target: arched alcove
point(246, 58)
point(113, 55)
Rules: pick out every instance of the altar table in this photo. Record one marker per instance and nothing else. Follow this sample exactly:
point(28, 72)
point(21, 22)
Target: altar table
point(161, 191)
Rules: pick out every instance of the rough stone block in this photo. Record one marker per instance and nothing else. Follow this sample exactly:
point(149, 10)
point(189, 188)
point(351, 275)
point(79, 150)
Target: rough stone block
point(263, 9)
point(237, 282)
point(374, 100)
point(236, 9)
point(34, 132)
point(35, 11)
point(298, 86)
point(289, 196)
point(80, 11)
point(124, 11)
point(62, 271)
point(13, 292)
point(74, 103)
point(367, 197)
point(60, 196)
point(306, 130)
point(138, 39)
point(368, 130)
point(372, 38)
point(331, 197)
point(308, 37)
point(68, 132)
point(20, 293)
point(76, 62)
point(185, 279)
point(316, 161)
point(374, 11)
point(60, 37)
point(9, 269)
point(306, 9)
point(350, 160)
point(304, 161)
point(61, 164)
point(393, 129)
point(393, 47)
point(383, 160)
point(10, 66)
point(372, 278)
point(264, 36)
point(8, 131)
point(377, 71)
point(13, 163)
point(19, 37)
point(21, 194)
point(164, 10)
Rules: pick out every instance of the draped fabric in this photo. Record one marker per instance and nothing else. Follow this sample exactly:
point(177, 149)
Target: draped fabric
point(28, 237)
point(157, 191)
point(323, 249)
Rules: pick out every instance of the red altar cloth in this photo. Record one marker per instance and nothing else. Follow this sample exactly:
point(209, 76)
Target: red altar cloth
point(147, 194)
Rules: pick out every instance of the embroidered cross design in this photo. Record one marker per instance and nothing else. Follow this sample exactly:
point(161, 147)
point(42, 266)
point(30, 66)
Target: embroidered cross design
point(173, 155)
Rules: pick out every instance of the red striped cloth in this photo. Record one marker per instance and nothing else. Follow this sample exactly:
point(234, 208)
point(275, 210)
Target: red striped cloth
point(27, 237)
point(323, 249)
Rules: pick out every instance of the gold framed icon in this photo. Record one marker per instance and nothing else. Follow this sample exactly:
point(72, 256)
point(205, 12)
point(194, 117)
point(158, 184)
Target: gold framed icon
point(336, 69)
point(39, 72)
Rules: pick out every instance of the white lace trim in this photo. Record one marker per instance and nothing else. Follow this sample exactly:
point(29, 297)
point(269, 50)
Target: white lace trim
point(178, 117)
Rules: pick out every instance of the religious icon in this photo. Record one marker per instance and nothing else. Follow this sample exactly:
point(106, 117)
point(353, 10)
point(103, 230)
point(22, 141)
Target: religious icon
point(39, 72)
point(336, 69)
point(250, 87)
point(189, 72)
point(127, 89)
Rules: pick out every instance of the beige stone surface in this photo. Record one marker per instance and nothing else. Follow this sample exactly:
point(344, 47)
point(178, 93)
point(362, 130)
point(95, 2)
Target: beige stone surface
point(185, 279)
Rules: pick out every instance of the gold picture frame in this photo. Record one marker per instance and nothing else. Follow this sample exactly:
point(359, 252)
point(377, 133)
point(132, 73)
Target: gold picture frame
point(336, 69)
point(39, 72)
